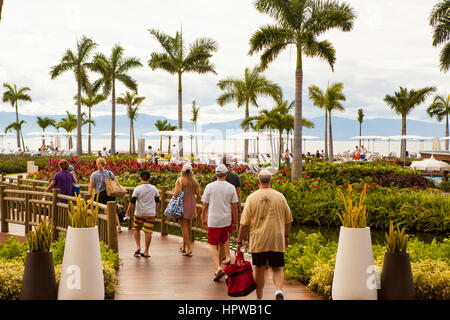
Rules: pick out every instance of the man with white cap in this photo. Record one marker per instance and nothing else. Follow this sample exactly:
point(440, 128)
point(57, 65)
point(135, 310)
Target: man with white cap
point(268, 218)
point(219, 205)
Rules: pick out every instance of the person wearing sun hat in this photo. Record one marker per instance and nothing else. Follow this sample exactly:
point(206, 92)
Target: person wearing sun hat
point(219, 206)
point(268, 218)
point(191, 188)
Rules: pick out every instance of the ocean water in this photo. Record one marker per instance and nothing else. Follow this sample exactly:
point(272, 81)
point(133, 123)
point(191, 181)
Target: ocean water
point(230, 146)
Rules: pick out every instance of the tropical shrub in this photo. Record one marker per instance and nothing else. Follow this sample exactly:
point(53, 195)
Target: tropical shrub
point(404, 181)
point(444, 186)
point(12, 258)
point(310, 260)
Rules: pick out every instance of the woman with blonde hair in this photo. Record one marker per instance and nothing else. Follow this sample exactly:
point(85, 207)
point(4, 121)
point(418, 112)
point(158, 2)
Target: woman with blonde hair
point(97, 183)
point(191, 188)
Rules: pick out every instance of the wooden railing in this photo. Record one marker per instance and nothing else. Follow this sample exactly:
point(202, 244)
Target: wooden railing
point(37, 189)
point(27, 205)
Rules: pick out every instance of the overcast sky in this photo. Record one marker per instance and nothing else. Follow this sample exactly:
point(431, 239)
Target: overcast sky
point(389, 46)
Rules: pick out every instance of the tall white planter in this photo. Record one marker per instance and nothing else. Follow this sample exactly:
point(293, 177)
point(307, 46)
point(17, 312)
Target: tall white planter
point(82, 272)
point(354, 276)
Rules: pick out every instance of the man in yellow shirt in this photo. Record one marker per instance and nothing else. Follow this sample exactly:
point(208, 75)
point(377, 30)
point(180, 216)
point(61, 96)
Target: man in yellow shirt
point(268, 218)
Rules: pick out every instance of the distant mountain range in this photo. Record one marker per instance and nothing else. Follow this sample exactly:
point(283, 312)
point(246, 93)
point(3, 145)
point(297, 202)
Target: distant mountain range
point(343, 128)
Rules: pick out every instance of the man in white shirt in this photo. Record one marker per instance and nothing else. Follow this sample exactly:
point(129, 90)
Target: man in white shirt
point(104, 153)
point(174, 154)
point(146, 200)
point(219, 205)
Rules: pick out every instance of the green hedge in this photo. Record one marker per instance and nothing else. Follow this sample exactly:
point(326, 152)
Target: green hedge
point(12, 259)
point(310, 260)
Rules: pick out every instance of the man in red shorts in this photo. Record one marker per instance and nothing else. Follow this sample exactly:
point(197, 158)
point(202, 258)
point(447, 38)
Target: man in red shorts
point(219, 205)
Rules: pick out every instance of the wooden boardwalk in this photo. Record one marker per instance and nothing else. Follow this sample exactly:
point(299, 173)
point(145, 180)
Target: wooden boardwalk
point(168, 275)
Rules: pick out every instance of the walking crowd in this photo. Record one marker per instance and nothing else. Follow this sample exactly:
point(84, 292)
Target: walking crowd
point(266, 216)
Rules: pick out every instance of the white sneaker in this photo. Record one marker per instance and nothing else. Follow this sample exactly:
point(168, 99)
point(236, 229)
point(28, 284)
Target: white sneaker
point(279, 295)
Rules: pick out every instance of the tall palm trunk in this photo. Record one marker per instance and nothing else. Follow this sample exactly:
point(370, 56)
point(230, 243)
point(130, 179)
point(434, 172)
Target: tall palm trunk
point(168, 148)
point(196, 138)
point(131, 136)
point(90, 132)
point(446, 131)
point(43, 136)
point(79, 141)
point(330, 154)
point(180, 117)
point(113, 121)
point(280, 149)
point(247, 115)
point(134, 140)
point(403, 143)
point(360, 126)
point(17, 130)
point(23, 142)
point(326, 134)
point(297, 162)
point(160, 143)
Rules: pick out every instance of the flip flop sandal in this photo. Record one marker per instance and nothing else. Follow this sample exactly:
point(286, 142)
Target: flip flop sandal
point(143, 255)
point(188, 254)
point(219, 275)
point(137, 254)
point(227, 262)
point(183, 251)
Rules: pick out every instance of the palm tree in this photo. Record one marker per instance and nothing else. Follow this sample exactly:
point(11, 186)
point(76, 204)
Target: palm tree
point(318, 98)
point(45, 122)
point(13, 95)
point(278, 119)
point(245, 92)
point(402, 102)
point(176, 60)
point(360, 120)
point(18, 127)
point(161, 126)
point(333, 96)
point(194, 119)
point(132, 101)
point(111, 69)
point(440, 20)
point(170, 127)
point(440, 108)
point(78, 63)
point(69, 123)
point(90, 100)
point(300, 23)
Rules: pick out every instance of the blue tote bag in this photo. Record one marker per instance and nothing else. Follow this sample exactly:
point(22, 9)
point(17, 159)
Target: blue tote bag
point(174, 208)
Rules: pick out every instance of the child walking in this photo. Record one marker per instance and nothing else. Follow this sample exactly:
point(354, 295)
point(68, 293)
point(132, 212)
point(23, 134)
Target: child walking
point(145, 199)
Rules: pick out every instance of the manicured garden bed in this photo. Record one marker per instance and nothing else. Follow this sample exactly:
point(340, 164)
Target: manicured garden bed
point(12, 259)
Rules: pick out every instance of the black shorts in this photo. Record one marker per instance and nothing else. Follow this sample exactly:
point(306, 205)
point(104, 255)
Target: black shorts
point(103, 197)
point(273, 259)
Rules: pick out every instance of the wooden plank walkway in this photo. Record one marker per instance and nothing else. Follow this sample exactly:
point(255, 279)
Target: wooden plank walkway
point(168, 275)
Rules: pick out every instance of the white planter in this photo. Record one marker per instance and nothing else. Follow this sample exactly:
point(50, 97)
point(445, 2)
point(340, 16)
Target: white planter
point(354, 276)
point(82, 272)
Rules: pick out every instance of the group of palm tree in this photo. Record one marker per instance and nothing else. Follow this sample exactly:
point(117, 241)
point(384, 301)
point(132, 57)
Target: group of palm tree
point(298, 24)
point(111, 70)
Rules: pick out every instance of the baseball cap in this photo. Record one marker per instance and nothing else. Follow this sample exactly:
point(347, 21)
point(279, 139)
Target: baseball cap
point(187, 167)
point(221, 169)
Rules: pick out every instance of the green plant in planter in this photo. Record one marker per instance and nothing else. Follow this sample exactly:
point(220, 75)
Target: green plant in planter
point(396, 240)
point(354, 216)
point(83, 214)
point(40, 240)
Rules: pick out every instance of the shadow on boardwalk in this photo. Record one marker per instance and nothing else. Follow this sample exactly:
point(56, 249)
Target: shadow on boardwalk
point(168, 275)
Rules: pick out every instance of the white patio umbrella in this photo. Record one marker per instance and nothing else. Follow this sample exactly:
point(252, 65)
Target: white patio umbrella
point(430, 164)
point(404, 137)
point(197, 134)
